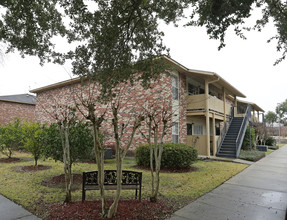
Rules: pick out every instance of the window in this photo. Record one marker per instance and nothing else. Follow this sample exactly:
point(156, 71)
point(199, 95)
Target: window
point(174, 88)
point(175, 132)
point(189, 129)
point(198, 129)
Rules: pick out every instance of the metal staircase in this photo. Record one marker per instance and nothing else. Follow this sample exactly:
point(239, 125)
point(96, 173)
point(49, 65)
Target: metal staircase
point(228, 146)
point(232, 141)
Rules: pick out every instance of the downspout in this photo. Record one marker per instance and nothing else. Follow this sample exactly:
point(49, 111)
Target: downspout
point(207, 125)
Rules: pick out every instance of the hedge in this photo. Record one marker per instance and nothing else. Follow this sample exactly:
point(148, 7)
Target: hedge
point(174, 156)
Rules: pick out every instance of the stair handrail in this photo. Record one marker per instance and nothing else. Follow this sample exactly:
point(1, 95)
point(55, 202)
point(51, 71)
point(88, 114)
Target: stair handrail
point(225, 129)
point(242, 130)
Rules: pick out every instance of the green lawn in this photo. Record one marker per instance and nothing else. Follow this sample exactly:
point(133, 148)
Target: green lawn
point(181, 188)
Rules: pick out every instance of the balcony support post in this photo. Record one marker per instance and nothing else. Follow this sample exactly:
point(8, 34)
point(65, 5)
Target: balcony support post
point(224, 103)
point(213, 133)
point(207, 124)
point(207, 118)
point(235, 106)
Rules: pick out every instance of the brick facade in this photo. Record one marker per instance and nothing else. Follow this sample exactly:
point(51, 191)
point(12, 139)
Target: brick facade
point(11, 110)
point(182, 108)
point(132, 100)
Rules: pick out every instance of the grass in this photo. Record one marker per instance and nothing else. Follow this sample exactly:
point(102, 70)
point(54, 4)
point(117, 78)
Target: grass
point(25, 188)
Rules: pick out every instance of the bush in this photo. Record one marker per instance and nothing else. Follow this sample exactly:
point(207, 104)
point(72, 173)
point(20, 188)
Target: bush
point(10, 137)
point(34, 139)
point(174, 156)
point(251, 155)
point(80, 138)
point(270, 141)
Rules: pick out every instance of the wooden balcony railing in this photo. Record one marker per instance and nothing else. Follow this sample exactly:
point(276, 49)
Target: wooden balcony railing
point(198, 103)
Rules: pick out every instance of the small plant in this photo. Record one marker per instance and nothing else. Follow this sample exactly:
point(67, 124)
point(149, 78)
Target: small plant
point(174, 156)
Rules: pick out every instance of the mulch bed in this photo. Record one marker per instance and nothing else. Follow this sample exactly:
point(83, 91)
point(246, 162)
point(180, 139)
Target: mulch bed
point(127, 209)
point(166, 170)
point(9, 160)
point(59, 181)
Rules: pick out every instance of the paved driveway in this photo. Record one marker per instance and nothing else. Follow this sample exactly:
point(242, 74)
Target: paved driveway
point(258, 192)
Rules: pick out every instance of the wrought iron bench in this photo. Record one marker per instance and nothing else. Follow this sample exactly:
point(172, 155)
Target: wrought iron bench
point(130, 180)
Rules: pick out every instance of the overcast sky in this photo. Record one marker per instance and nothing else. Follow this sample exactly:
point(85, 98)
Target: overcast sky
point(246, 64)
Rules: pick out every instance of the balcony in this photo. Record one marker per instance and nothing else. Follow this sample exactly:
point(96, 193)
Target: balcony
point(197, 103)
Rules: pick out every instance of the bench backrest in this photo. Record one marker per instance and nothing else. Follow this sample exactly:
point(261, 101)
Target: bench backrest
point(128, 177)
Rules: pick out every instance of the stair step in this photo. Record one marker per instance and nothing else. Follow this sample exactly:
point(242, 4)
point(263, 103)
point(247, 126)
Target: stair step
point(224, 155)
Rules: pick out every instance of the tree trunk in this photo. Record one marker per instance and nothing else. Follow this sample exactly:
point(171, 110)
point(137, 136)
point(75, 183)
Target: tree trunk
point(36, 161)
point(67, 166)
point(114, 206)
point(64, 133)
point(100, 164)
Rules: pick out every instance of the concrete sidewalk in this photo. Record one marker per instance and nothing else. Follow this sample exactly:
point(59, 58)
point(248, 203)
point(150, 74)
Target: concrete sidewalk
point(11, 211)
point(258, 192)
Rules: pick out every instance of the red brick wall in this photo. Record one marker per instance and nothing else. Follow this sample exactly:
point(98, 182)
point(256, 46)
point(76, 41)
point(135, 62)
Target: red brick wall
point(133, 98)
point(11, 110)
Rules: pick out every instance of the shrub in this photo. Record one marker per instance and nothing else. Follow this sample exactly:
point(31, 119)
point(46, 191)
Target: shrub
point(251, 155)
point(174, 156)
point(80, 138)
point(34, 139)
point(10, 137)
point(273, 147)
point(270, 141)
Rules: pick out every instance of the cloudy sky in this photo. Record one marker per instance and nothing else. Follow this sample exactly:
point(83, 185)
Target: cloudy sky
point(246, 64)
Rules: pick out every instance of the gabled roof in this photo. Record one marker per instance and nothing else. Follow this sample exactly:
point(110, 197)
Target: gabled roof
point(211, 76)
point(20, 98)
point(57, 85)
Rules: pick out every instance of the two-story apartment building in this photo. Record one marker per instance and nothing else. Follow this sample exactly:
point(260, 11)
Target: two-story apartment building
point(202, 105)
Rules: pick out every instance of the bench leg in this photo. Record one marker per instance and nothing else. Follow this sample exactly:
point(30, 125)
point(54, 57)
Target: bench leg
point(136, 195)
point(83, 195)
point(140, 193)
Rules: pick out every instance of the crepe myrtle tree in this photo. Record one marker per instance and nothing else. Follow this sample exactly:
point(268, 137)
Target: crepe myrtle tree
point(64, 115)
point(93, 108)
point(158, 120)
point(124, 122)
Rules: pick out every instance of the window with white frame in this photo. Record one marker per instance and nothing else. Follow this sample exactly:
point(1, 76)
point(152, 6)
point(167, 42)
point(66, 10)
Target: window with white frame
point(175, 132)
point(174, 88)
point(198, 129)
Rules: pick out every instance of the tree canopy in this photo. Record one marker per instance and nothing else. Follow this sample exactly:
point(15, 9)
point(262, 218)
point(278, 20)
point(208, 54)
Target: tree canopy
point(271, 117)
point(281, 111)
point(114, 39)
